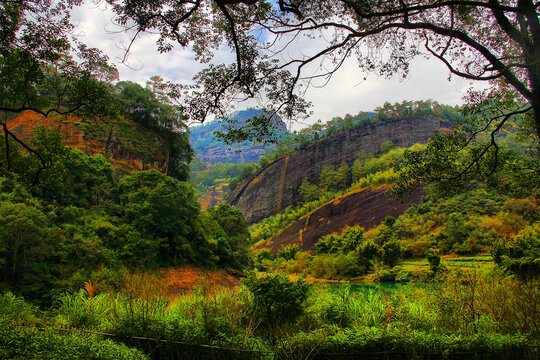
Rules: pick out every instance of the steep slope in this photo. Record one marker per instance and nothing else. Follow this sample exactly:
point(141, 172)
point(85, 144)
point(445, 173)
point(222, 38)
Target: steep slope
point(271, 189)
point(128, 145)
point(209, 149)
point(364, 207)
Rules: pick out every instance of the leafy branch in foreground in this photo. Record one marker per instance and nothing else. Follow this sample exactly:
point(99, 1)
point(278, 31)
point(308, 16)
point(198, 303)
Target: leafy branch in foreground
point(490, 145)
point(477, 40)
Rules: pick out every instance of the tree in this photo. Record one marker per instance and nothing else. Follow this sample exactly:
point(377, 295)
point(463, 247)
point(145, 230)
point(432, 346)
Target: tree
point(38, 70)
point(486, 40)
point(334, 179)
point(165, 210)
point(21, 231)
point(521, 254)
point(479, 40)
point(152, 109)
point(309, 192)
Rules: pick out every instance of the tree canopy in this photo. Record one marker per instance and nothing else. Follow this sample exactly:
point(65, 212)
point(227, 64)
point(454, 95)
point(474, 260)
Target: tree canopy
point(493, 40)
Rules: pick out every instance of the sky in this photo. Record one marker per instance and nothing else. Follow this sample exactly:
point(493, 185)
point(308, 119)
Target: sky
point(347, 91)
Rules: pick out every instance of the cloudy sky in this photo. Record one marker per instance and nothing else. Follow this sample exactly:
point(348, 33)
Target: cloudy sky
point(347, 92)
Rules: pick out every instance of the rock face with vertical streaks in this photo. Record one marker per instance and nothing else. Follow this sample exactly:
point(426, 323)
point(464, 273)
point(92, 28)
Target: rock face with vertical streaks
point(364, 207)
point(272, 188)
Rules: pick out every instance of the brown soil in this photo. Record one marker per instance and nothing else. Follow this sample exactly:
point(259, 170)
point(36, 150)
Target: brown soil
point(184, 279)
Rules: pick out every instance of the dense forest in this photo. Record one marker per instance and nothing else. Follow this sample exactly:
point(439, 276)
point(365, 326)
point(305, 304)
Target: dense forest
point(68, 216)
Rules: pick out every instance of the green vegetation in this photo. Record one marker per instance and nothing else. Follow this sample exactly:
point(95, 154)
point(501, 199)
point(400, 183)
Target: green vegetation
point(68, 219)
point(301, 139)
point(204, 175)
point(468, 225)
point(486, 314)
point(367, 171)
point(80, 221)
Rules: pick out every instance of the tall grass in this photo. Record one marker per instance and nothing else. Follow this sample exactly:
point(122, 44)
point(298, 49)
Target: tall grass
point(474, 312)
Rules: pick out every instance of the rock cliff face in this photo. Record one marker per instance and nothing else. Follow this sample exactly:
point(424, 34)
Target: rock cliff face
point(364, 207)
point(128, 145)
point(271, 189)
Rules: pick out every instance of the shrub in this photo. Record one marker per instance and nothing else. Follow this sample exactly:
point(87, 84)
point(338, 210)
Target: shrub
point(16, 309)
point(288, 252)
point(394, 343)
point(21, 343)
point(277, 300)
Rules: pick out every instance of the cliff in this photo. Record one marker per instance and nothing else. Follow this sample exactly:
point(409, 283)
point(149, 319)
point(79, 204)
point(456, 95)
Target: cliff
point(364, 207)
point(128, 145)
point(271, 189)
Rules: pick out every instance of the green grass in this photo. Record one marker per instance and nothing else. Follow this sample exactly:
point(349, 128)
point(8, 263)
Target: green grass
point(482, 313)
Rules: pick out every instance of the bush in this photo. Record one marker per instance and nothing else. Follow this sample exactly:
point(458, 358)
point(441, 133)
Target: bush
point(277, 300)
point(16, 309)
point(21, 343)
point(394, 343)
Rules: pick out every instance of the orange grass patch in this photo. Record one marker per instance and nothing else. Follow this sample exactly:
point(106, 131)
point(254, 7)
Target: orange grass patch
point(184, 279)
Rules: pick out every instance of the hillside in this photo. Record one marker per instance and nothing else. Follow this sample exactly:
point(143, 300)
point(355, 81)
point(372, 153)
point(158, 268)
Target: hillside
point(208, 148)
point(364, 207)
point(128, 145)
point(272, 188)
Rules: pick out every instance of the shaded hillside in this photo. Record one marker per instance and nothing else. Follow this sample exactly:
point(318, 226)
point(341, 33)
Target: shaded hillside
point(271, 189)
point(212, 150)
point(127, 144)
point(364, 207)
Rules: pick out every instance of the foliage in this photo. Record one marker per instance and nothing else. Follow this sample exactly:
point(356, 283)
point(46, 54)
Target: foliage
point(204, 175)
point(521, 254)
point(165, 209)
point(288, 252)
point(334, 179)
point(349, 240)
point(434, 260)
point(79, 219)
point(414, 344)
point(489, 314)
point(276, 300)
point(25, 342)
point(152, 109)
point(309, 192)
point(235, 231)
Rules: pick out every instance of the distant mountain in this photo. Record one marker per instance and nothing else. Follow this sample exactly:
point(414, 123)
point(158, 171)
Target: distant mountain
point(208, 148)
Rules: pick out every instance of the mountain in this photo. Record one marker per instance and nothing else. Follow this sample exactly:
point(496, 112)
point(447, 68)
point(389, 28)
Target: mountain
point(208, 148)
point(128, 145)
point(272, 188)
point(364, 207)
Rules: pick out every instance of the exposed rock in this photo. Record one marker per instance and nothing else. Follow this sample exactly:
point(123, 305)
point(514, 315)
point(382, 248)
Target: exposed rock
point(128, 145)
point(271, 189)
point(365, 207)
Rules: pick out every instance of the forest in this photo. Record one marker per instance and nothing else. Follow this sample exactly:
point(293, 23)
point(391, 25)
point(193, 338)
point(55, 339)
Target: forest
point(106, 253)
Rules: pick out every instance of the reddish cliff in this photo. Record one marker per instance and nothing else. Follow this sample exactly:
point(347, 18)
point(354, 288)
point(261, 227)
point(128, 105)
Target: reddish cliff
point(271, 189)
point(128, 145)
point(364, 207)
